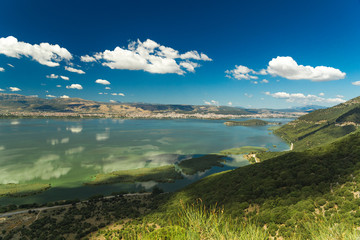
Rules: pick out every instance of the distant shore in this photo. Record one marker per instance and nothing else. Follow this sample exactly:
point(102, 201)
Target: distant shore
point(169, 115)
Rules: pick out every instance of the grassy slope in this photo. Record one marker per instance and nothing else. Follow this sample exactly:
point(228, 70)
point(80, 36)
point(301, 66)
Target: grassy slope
point(321, 126)
point(281, 192)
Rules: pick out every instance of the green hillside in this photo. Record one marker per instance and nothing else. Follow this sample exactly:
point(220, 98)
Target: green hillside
point(297, 195)
point(322, 126)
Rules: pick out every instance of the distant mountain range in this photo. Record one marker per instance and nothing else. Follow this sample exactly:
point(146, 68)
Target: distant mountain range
point(21, 103)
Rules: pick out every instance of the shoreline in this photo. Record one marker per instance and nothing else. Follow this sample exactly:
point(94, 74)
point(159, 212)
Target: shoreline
point(170, 115)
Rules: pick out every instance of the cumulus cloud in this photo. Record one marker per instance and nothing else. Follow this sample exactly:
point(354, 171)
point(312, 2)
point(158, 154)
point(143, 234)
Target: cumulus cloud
point(211, 102)
point(44, 53)
point(114, 94)
point(52, 76)
point(107, 88)
point(321, 94)
point(75, 86)
point(288, 68)
point(64, 96)
point(264, 81)
point(65, 78)
point(71, 69)
point(241, 72)
point(230, 103)
point(112, 101)
point(58, 85)
point(1, 90)
point(50, 96)
point(87, 58)
point(304, 99)
point(121, 94)
point(357, 83)
point(151, 57)
point(10, 65)
point(189, 66)
point(14, 89)
point(102, 81)
point(2, 69)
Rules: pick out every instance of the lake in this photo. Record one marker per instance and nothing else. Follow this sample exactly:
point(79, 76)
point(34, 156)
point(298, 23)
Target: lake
point(67, 153)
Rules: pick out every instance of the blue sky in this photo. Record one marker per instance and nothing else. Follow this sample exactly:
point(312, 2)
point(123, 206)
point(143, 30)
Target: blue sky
point(273, 54)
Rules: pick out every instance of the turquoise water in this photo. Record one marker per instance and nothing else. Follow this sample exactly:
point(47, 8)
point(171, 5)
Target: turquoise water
point(66, 153)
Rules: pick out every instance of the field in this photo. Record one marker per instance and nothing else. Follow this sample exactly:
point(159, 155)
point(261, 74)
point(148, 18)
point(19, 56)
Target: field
point(22, 190)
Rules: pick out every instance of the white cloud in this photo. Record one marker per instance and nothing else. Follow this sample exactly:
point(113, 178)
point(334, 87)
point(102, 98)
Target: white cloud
point(117, 94)
point(75, 86)
point(65, 78)
point(339, 96)
point(357, 83)
point(288, 68)
point(58, 85)
point(1, 90)
point(230, 103)
point(100, 93)
point(71, 69)
point(321, 94)
point(10, 65)
point(241, 72)
point(102, 81)
point(64, 96)
point(14, 89)
point(248, 95)
point(44, 53)
point(52, 76)
point(151, 57)
point(107, 88)
point(87, 58)
point(264, 81)
point(189, 66)
point(304, 99)
point(112, 101)
point(211, 102)
point(262, 72)
point(2, 69)
point(254, 82)
point(50, 96)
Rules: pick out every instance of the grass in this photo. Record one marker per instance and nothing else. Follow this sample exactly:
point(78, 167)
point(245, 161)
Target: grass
point(166, 173)
point(194, 221)
point(199, 164)
point(243, 150)
point(22, 190)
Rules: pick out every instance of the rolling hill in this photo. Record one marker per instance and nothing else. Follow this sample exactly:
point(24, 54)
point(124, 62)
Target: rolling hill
point(322, 126)
point(31, 104)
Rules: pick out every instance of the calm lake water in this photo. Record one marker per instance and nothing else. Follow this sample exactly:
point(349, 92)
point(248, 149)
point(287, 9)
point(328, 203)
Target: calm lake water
point(66, 153)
